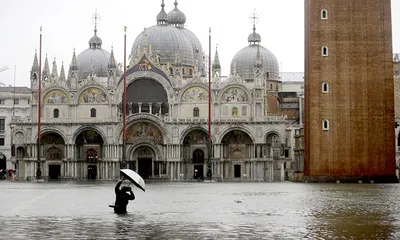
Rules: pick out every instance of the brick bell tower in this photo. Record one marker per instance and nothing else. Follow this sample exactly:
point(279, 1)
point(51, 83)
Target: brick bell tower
point(349, 103)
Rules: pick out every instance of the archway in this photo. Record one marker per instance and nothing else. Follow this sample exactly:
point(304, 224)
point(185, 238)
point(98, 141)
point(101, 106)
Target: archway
point(53, 150)
point(236, 144)
point(273, 145)
point(194, 148)
point(89, 147)
point(198, 162)
point(3, 161)
point(145, 157)
point(146, 96)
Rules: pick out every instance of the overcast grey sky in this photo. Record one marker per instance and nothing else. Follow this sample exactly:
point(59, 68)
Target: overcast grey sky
point(68, 24)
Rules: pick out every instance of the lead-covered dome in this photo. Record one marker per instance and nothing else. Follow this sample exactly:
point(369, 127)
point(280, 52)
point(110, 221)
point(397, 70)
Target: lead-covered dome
point(246, 60)
point(95, 59)
point(176, 17)
point(170, 41)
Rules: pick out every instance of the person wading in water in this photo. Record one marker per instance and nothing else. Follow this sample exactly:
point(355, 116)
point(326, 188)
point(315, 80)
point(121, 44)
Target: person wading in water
point(122, 197)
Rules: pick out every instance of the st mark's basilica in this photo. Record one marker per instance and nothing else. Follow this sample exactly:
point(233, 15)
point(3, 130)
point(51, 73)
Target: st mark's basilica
point(167, 112)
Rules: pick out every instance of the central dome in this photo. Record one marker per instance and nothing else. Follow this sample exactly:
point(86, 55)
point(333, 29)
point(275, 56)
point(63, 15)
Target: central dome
point(171, 41)
point(168, 42)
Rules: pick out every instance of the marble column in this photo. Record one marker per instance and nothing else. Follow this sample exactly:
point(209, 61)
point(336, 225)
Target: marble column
point(140, 107)
point(282, 171)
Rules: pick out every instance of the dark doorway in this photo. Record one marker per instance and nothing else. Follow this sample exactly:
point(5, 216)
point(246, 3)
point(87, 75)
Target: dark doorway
point(237, 169)
point(198, 171)
point(3, 162)
point(144, 167)
point(54, 172)
point(92, 172)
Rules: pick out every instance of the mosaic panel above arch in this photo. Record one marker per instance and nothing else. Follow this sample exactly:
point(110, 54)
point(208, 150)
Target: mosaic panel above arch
point(143, 131)
point(234, 94)
point(195, 94)
point(56, 97)
point(236, 137)
point(196, 136)
point(93, 95)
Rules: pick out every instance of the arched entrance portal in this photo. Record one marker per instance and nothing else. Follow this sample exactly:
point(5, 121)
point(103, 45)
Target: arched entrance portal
point(89, 144)
point(237, 149)
point(194, 150)
point(198, 163)
point(144, 161)
point(53, 149)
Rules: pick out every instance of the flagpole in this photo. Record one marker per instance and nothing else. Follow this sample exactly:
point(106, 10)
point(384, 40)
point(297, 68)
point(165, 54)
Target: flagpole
point(38, 169)
point(209, 143)
point(123, 165)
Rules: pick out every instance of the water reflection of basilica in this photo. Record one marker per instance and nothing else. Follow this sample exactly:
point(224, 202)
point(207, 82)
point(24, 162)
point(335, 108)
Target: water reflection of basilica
point(167, 110)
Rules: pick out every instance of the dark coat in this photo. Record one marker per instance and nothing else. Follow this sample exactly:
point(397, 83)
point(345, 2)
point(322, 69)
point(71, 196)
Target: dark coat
point(122, 198)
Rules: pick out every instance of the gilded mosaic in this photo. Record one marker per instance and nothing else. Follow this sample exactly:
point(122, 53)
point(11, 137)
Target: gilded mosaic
point(195, 94)
point(143, 131)
point(56, 97)
point(196, 137)
point(236, 137)
point(93, 95)
point(234, 95)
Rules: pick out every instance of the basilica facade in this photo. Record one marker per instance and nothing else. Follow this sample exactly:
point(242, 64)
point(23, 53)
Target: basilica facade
point(167, 112)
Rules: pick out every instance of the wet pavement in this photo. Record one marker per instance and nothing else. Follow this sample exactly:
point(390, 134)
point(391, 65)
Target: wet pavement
point(70, 210)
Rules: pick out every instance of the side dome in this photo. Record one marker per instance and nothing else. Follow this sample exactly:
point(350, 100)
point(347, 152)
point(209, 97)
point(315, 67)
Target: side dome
point(95, 59)
point(168, 42)
point(252, 56)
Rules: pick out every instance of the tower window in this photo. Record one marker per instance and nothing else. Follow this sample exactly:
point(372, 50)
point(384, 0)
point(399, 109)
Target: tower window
point(324, 14)
point(325, 87)
point(34, 76)
point(196, 112)
point(324, 51)
point(325, 125)
point(93, 112)
point(56, 113)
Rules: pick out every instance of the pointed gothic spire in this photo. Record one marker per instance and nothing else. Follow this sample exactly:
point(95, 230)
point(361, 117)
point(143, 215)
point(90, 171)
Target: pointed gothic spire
point(112, 62)
point(46, 69)
point(258, 58)
point(62, 72)
point(54, 73)
point(35, 65)
point(74, 62)
point(216, 65)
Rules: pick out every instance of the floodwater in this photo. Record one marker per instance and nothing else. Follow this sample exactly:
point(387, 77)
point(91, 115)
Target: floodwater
point(70, 210)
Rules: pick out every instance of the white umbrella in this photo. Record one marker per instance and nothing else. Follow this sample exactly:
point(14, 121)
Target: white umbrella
point(134, 178)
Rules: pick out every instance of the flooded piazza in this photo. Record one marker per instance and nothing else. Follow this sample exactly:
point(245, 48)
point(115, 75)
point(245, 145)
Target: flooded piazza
point(182, 210)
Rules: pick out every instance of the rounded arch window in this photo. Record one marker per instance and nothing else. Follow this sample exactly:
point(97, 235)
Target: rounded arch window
point(196, 112)
point(325, 87)
point(56, 113)
point(93, 112)
point(324, 51)
point(325, 125)
point(324, 14)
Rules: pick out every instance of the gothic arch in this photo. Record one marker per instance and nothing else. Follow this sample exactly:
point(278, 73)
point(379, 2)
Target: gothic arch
point(241, 128)
point(93, 128)
point(192, 85)
point(241, 87)
point(92, 86)
point(47, 92)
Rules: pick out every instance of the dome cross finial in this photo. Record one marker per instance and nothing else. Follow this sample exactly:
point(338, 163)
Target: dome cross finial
point(176, 3)
point(254, 19)
point(96, 19)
